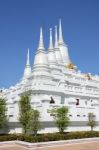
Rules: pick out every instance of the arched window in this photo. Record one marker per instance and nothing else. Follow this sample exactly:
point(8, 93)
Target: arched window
point(52, 100)
point(77, 101)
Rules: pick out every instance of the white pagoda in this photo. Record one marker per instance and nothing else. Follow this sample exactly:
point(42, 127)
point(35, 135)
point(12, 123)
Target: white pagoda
point(52, 82)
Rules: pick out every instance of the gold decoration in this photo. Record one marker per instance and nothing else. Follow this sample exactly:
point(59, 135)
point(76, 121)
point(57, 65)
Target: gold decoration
point(88, 76)
point(71, 66)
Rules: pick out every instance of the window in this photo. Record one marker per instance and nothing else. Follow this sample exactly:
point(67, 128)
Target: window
point(10, 115)
point(52, 114)
point(94, 115)
point(77, 101)
point(62, 100)
point(52, 100)
point(70, 115)
point(86, 102)
point(78, 115)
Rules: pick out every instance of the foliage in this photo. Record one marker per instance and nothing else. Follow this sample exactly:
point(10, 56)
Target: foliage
point(49, 136)
point(24, 107)
point(25, 104)
point(29, 118)
point(34, 123)
point(91, 120)
point(61, 118)
point(3, 117)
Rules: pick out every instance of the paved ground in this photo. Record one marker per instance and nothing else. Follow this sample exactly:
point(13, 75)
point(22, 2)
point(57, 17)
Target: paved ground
point(12, 147)
point(83, 146)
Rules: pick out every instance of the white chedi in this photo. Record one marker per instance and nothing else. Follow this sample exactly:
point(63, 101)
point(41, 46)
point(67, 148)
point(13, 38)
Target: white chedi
point(54, 77)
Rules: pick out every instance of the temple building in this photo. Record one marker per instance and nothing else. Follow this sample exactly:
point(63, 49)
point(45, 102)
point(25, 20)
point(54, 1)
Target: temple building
point(54, 81)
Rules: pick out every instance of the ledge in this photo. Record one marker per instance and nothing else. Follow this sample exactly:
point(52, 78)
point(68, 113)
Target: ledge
point(48, 144)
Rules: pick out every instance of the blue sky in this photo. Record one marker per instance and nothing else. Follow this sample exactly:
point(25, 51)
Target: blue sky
point(20, 21)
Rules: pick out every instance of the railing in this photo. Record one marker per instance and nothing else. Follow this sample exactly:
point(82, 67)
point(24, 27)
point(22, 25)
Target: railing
point(82, 81)
point(68, 88)
point(84, 90)
point(64, 88)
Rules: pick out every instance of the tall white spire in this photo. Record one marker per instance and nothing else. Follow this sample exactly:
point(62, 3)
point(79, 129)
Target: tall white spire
point(63, 47)
point(41, 56)
point(41, 43)
point(51, 53)
point(28, 58)
point(56, 48)
point(61, 41)
point(27, 70)
point(56, 38)
point(41, 66)
point(50, 41)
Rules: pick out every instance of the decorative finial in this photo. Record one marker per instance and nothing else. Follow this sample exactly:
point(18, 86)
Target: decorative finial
point(56, 39)
point(28, 58)
point(61, 41)
point(50, 42)
point(27, 70)
point(41, 43)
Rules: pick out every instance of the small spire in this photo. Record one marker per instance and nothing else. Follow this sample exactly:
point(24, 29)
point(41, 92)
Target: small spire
point(61, 41)
point(28, 58)
point(50, 42)
point(41, 43)
point(27, 70)
point(56, 39)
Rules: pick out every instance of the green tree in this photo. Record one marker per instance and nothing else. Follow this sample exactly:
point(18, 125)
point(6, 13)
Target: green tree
point(61, 118)
point(91, 121)
point(34, 121)
point(24, 107)
point(3, 116)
